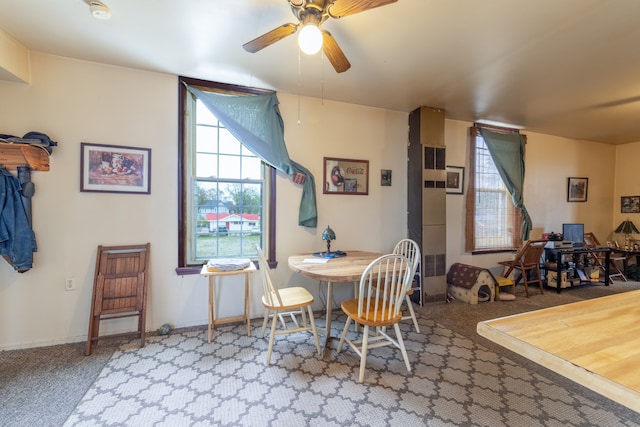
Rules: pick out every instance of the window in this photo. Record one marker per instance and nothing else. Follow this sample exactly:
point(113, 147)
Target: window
point(224, 189)
point(493, 223)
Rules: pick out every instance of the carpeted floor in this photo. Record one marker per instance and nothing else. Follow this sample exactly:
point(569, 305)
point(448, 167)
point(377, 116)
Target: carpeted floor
point(458, 378)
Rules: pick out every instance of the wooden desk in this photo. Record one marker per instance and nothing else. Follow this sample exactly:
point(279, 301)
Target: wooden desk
point(595, 343)
point(212, 298)
point(344, 269)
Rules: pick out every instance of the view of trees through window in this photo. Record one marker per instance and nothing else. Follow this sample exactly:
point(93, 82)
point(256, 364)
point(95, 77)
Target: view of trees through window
point(227, 208)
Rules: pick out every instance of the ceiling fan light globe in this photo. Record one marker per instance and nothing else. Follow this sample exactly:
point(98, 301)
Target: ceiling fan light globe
point(310, 39)
point(99, 10)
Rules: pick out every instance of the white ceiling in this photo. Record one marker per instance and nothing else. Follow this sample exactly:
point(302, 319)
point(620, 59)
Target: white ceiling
point(562, 67)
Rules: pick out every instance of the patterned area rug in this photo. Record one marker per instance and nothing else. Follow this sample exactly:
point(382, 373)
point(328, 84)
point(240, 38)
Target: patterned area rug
point(181, 380)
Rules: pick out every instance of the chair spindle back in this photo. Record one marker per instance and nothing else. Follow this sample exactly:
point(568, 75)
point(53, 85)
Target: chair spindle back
point(271, 294)
point(409, 249)
point(383, 286)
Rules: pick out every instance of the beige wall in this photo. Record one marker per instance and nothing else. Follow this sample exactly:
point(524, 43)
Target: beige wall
point(14, 60)
point(74, 101)
point(549, 161)
point(626, 184)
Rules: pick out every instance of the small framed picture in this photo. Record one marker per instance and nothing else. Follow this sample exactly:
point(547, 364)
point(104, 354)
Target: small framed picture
point(577, 189)
point(385, 177)
point(115, 169)
point(455, 179)
point(630, 204)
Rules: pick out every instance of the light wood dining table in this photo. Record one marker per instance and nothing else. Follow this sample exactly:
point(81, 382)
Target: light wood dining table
point(595, 342)
point(346, 269)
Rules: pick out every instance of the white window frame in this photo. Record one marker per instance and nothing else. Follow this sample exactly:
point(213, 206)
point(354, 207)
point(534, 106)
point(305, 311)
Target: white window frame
point(187, 263)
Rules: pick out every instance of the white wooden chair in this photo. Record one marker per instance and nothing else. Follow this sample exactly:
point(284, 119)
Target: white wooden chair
point(290, 301)
point(410, 249)
point(382, 289)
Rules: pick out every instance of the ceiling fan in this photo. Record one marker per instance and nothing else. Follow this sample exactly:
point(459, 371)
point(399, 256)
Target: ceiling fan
point(311, 14)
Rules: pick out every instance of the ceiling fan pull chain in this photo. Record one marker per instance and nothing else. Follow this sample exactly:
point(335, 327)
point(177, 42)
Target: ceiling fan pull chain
point(299, 85)
point(322, 57)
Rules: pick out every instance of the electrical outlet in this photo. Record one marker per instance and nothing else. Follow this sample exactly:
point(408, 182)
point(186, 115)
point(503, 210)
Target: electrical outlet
point(70, 284)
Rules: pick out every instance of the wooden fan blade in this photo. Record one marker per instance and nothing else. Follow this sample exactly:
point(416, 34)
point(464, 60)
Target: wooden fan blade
point(341, 8)
point(270, 38)
point(334, 53)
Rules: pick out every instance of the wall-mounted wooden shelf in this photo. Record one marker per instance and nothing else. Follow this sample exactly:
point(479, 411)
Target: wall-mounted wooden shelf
point(14, 155)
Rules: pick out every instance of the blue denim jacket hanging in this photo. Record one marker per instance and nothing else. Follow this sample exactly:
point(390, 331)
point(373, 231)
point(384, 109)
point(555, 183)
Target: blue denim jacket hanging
point(17, 239)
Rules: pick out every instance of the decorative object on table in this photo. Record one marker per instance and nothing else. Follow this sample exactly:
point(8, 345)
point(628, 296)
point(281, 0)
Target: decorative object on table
point(627, 227)
point(577, 189)
point(385, 177)
point(346, 176)
point(165, 329)
point(455, 180)
point(328, 234)
point(630, 204)
point(115, 169)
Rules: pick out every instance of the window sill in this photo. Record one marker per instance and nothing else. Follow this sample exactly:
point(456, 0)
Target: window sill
point(185, 271)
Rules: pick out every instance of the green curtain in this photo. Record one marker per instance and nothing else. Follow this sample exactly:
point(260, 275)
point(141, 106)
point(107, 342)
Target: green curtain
point(507, 152)
point(255, 121)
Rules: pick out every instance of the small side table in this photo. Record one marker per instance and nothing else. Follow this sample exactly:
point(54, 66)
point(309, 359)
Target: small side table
point(212, 298)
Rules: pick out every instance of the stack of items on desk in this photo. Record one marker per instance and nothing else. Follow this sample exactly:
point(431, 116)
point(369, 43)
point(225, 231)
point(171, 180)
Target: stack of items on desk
point(228, 264)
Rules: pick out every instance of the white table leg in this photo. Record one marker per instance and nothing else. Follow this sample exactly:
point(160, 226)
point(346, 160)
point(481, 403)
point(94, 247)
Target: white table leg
point(329, 312)
point(211, 308)
point(247, 302)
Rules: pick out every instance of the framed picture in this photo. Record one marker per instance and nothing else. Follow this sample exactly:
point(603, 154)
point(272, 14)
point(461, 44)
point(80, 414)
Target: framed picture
point(115, 169)
point(385, 177)
point(455, 180)
point(577, 189)
point(346, 176)
point(630, 204)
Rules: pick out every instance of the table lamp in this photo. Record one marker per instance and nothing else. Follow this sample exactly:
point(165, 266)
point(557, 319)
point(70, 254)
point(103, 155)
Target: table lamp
point(627, 227)
point(328, 234)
